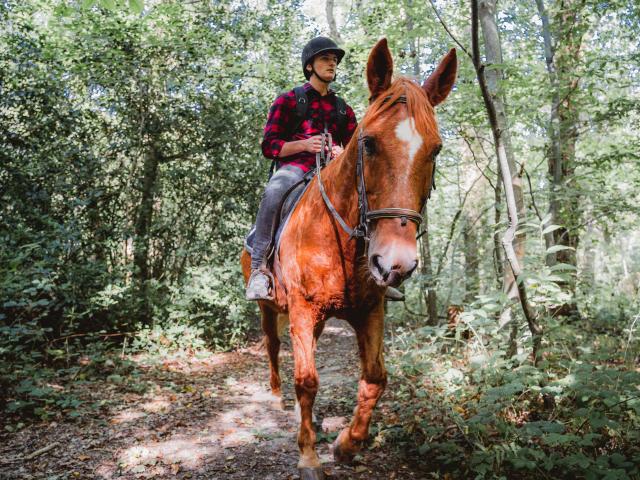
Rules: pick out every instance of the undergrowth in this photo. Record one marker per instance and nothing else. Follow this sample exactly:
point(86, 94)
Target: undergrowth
point(472, 413)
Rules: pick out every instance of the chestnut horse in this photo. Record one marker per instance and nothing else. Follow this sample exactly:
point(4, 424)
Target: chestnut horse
point(322, 271)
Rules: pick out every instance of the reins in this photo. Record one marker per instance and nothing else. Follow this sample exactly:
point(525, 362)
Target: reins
point(365, 216)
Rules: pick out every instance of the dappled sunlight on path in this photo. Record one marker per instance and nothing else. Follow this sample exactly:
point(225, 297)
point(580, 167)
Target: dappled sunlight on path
point(208, 417)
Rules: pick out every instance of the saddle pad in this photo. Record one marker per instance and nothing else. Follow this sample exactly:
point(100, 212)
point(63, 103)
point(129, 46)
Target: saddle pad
point(288, 204)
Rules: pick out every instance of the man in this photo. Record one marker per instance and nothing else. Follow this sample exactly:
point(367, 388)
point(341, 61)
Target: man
point(294, 147)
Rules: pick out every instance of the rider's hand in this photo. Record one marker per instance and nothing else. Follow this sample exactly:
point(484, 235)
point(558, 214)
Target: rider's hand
point(313, 144)
point(336, 151)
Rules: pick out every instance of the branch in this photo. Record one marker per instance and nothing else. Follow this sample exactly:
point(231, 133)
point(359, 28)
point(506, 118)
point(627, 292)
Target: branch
point(453, 227)
point(39, 452)
point(444, 25)
point(510, 233)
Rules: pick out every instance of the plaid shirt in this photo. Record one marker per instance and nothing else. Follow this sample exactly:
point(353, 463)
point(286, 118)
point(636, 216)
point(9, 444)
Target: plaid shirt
point(320, 111)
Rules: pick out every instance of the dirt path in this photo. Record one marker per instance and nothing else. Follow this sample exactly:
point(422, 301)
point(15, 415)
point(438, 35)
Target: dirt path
point(210, 417)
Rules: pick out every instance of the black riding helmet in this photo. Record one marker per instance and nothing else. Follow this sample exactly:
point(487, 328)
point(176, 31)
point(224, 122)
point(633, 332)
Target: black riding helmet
point(315, 47)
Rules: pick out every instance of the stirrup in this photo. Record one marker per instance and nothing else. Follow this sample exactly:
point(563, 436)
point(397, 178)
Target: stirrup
point(394, 295)
point(260, 285)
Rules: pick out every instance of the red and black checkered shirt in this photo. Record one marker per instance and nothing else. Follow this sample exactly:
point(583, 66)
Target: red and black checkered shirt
point(321, 111)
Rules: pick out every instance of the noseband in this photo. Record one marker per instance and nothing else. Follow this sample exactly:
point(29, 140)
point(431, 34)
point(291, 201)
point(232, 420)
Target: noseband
point(365, 216)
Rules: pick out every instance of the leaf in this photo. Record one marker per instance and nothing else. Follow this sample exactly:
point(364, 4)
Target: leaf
point(558, 248)
point(88, 3)
point(551, 228)
point(554, 278)
point(136, 6)
point(562, 266)
point(108, 4)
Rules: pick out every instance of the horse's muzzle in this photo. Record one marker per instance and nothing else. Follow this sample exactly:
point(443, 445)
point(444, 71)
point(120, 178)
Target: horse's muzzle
point(391, 275)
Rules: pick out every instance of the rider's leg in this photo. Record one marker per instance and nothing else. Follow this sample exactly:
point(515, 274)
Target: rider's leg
point(282, 180)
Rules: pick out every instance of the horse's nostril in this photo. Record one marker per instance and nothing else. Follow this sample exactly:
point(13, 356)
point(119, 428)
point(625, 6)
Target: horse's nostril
point(376, 263)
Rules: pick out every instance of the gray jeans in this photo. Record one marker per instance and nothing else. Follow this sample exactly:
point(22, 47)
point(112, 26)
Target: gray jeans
point(280, 182)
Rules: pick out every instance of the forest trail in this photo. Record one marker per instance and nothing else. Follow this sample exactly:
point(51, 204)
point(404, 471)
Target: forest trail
point(210, 417)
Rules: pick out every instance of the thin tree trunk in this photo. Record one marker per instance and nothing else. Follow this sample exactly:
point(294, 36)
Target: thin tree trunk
point(569, 27)
point(472, 276)
point(493, 54)
point(497, 247)
point(413, 41)
point(143, 226)
point(331, 20)
point(554, 161)
point(426, 269)
point(507, 177)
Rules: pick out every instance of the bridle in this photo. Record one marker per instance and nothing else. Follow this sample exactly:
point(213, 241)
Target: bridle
point(365, 216)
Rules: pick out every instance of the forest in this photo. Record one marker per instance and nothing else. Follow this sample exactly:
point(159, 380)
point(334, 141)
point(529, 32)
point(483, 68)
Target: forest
point(131, 172)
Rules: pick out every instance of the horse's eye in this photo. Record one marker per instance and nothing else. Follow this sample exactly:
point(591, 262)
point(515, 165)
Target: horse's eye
point(369, 145)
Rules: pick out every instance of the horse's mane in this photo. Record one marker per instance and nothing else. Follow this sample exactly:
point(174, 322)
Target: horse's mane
point(418, 105)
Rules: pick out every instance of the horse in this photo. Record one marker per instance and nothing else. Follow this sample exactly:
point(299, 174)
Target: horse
point(325, 268)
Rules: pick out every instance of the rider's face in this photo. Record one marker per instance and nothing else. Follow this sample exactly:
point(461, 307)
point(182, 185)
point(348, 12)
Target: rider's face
point(325, 65)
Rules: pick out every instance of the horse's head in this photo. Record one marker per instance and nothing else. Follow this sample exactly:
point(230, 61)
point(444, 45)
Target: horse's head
point(399, 143)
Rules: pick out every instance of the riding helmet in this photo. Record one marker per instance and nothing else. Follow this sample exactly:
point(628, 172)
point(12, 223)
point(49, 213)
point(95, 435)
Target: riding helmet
point(316, 46)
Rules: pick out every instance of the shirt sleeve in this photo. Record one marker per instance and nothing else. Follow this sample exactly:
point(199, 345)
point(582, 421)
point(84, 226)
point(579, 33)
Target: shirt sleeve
point(352, 124)
point(275, 129)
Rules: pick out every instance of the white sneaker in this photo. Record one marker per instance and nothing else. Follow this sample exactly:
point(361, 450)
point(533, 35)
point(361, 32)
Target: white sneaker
point(259, 286)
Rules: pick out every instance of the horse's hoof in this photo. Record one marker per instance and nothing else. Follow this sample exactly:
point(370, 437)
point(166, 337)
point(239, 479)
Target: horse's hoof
point(339, 455)
point(311, 473)
point(276, 402)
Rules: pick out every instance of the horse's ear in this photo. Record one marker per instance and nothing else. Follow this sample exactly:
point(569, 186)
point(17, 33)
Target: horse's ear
point(441, 81)
point(379, 68)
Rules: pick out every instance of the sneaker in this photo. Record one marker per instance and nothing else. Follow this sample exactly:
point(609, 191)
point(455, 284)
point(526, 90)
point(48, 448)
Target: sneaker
point(259, 286)
point(394, 295)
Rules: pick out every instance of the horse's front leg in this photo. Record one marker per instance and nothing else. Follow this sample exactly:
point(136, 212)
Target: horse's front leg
point(373, 381)
point(305, 326)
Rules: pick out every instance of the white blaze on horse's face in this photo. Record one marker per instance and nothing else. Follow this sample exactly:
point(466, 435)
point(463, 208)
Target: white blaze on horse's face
point(406, 131)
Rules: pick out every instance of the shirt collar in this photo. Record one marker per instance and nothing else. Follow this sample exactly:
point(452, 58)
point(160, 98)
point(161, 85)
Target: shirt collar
point(309, 88)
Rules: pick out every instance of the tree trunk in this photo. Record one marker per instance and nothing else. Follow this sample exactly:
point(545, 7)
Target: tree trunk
point(553, 150)
point(413, 41)
point(562, 59)
point(331, 20)
point(426, 270)
point(493, 54)
point(497, 247)
point(471, 260)
point(143, 226)
point(489, 97)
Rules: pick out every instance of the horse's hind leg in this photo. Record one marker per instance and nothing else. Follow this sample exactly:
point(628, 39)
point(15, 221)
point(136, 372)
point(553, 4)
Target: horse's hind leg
point(373, 381)
point(272, 341)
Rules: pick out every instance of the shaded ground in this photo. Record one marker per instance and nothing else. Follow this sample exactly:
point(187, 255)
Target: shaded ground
point(209, 417)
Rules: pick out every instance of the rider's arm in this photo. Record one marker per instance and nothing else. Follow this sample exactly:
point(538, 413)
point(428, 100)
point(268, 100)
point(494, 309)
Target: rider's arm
point(276, 128)
point(280, 114)
point(311, 144)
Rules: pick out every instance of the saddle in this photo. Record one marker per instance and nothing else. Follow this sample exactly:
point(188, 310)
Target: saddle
point(288, 204)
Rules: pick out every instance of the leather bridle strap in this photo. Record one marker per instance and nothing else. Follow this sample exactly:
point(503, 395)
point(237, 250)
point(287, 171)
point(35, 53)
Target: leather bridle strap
point(365, 217)
point(321, 159)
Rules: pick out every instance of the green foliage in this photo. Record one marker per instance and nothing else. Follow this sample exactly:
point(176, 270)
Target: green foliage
point(89, 93)
point(577, 416)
